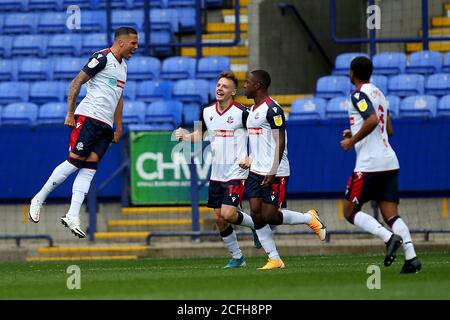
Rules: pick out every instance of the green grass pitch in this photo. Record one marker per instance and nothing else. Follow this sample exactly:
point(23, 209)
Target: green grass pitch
point(305, 277)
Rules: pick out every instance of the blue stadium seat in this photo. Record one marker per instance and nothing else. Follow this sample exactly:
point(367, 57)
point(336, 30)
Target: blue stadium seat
point(64, 44)
point(8, 70)
point(94, 42)
point(214, 3)
point(342, 64)
point(308, 109)
point(210, 67)
point(192, 90)
point(164, 19)
point(130, 90)
point(29, 45)
point(133, 112)
point(212, 89)
point(19, 113)
point(93, 21)
point(52, 113)
point(406, 84)
point(161, 39)
point(164, 114)
point(181, 3)
point(424, 62)
point(143, 68)
point(129, 18)
point(6, 46)
point(13, 5)
point(14, 91)
point(394, 105)
point(20, 23)
point(66, 68)
point(1, 111)
point(153, 3)
point(52, 22)
point(128, 4)
point(186, 18)
point(150, 91)
point(443, 109)
point(2, 21)
point(54, 5)
point(47, 91)
point(191, 113)
point(446, 63)
point(178, 68)
point(438, 84)
point(389, 63)
point(331, 86)
point(380, 81)
point(337, 108)
point(83, 4)
point(35, 69)
point(418, 106)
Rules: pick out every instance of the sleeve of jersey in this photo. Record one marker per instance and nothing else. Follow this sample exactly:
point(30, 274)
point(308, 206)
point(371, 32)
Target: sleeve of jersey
point(244, 118)
point(363, 104)
point(96, 63)
point(275, 117)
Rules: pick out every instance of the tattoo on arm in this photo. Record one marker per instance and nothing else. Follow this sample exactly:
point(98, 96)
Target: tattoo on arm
point(74, 90)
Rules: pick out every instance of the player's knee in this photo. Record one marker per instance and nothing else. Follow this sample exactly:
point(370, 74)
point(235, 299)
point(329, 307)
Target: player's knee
point(221, 223)
point(258, 220)
point(350, 211)
point(229, 215)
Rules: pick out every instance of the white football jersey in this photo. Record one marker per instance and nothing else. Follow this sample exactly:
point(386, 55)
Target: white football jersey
point(105, 87)
point(228, 140)
point(262, 119)
point(373, 153)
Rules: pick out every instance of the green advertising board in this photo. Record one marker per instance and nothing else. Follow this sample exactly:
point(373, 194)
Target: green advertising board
point(160, 172)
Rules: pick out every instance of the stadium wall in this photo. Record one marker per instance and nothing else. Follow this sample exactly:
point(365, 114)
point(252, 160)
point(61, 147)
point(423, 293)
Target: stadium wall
point(319, 167)
point(280, 45)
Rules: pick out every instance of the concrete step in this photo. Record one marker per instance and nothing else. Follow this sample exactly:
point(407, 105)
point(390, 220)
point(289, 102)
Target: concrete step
point(223, 37)
point(442, 46)
point(229, 16)
point(242, 3)
point(237, 51)
point(440, 22)
point(162, 210)
point(150, 222)
point(438, 32)
point(95, 250)
point(218, 27)
point(82, 258)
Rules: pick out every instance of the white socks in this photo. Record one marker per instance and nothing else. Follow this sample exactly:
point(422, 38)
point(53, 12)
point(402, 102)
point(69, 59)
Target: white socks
point(80, 188)
point(59, 174)
point(245, 220)
point(399, 227)
point(293, 217)
point(371, 225)
point(232, 245)
point(267, 242)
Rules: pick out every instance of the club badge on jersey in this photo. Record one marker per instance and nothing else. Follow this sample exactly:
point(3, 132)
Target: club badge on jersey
point(278, 120)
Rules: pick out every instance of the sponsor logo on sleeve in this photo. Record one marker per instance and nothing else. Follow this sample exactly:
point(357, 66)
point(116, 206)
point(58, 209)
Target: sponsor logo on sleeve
point(93, 63)
point(278, 120)
point(362, 105)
